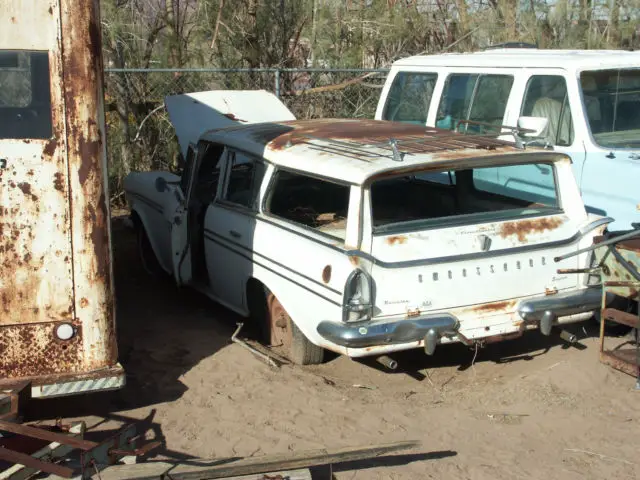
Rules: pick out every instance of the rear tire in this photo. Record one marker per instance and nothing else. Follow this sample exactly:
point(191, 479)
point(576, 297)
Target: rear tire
point(282, 334)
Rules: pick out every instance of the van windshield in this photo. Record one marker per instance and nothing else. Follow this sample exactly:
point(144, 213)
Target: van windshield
point(612, 102)
point(458, 197)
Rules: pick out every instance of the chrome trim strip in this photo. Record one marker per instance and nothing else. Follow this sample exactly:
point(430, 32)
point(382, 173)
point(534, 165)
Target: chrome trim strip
point(217, 242)
point(253, 252)
point(452, 258)
point(156, 206)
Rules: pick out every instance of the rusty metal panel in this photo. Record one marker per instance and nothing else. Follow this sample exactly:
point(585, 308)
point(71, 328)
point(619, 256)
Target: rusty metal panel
point(86, 150)
point(35, 277)
point(55, 256)
point(30, 350)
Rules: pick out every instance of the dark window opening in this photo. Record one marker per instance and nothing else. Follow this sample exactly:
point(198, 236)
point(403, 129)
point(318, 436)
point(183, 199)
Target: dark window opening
point(310, 202)
point(409, 97)
point(474, 97)
point(245, 177)
point(25, 96)
point(470, 195)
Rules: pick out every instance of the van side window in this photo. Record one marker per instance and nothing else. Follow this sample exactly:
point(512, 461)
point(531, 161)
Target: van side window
point(409, 97)
point(475, 97)
point(25, 97)
point(546, 96)
point(244, 179)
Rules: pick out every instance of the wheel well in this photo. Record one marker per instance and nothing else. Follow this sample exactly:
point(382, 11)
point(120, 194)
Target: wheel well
point(254, 295)
point(135, 218)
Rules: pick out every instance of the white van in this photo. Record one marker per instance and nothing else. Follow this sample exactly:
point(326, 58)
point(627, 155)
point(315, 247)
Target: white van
point(591, 99)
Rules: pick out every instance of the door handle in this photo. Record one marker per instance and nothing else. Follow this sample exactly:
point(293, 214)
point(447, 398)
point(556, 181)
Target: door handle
point(234, 234)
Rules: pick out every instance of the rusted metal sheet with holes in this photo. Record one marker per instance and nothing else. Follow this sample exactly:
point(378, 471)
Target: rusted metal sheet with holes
point(57, 318)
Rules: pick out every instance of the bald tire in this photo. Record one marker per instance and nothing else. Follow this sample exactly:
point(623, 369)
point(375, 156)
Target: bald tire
point(283, 334)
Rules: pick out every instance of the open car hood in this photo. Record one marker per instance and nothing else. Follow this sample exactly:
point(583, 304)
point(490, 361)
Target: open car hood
point(192, 114)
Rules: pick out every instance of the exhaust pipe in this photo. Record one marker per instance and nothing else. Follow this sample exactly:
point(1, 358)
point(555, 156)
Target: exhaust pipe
point(568, 336)
point(387, 361)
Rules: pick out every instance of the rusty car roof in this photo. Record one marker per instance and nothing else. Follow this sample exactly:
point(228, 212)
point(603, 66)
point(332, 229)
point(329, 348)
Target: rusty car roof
point(354, 150)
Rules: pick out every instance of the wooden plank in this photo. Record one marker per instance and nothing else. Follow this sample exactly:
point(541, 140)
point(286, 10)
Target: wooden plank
point(47, 435)
point(157, 471)
point(12, 456)
point(619, 316)
point(51, 452)
point(233, 468)
point(268, 463)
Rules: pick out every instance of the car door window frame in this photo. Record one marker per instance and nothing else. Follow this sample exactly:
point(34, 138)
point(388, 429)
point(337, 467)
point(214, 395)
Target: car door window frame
point(255, 191)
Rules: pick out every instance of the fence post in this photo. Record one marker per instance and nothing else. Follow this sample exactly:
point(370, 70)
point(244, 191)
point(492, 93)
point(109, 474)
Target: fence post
point(277, 82)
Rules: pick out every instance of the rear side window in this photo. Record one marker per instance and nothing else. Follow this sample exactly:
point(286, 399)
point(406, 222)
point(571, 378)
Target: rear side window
point(310, 202)
point(25, 97)
point(546, 96)
point(477, 195)
point(475, 97)
point(409, 97)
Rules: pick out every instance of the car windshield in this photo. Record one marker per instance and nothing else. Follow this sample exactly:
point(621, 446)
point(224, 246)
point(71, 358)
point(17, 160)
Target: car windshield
point(475, 195)
point(612, 102)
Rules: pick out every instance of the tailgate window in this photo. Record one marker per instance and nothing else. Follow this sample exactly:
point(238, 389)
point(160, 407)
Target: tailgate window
point(465, 196)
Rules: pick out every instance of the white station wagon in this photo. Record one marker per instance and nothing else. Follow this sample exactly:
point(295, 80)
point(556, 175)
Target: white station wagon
point(364, 237)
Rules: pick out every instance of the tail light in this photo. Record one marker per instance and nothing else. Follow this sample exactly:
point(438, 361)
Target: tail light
point(357, 303)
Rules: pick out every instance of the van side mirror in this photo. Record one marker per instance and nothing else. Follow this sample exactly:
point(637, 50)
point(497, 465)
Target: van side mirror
point(535, 125)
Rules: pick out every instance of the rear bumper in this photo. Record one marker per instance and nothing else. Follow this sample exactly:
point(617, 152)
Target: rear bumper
point(543, 311)
point(546, 310)
point(371, 334)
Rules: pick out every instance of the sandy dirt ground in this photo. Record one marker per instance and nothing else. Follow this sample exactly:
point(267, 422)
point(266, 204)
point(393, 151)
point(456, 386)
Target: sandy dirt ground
point(528, 408)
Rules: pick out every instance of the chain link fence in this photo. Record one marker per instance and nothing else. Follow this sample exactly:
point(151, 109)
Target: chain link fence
point(140, 136)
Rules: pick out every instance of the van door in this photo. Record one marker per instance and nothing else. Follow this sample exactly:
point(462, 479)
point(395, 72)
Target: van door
point(35, 245)
point(548, 96)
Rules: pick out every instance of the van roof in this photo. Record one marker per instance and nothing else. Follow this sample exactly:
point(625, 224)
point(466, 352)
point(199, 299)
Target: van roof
point(528, 58)
point(353, 150)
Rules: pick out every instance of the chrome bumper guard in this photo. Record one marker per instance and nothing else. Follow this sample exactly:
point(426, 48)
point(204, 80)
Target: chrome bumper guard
point(547, 309)
point(369, 334)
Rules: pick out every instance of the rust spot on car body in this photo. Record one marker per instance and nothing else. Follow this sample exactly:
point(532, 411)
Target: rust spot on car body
point(326, 274)
point(522, 228)
point(485, 308)
point(50, 147)
point(413, 313)
point(58, 181)
point(396, 240)
point(26, 190)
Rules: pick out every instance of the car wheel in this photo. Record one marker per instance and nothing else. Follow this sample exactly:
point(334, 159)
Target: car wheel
point(147, 255)
point(283, 334)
